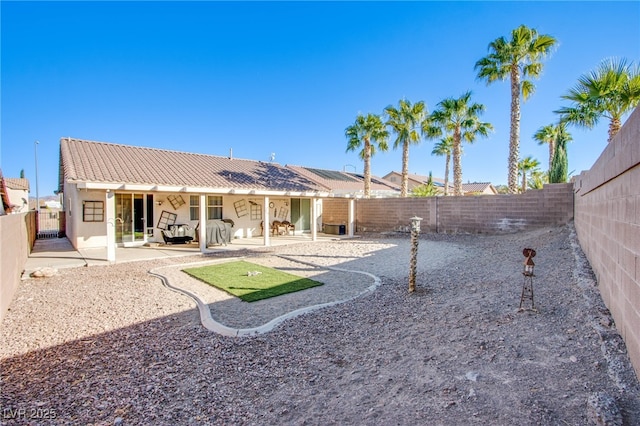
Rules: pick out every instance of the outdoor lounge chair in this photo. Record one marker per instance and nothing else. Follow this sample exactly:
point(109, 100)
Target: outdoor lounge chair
point(178, 234)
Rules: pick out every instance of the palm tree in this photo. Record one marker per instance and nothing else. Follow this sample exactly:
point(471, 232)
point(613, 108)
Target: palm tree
point(445, 148)
point(525, 166)
point(405, 121)
point(460, 119)
point(371, 134)
point(516, 59)
point(537, 179)
point(547, 134)
point(550, 134)
point(425, 190)
point(610, 91)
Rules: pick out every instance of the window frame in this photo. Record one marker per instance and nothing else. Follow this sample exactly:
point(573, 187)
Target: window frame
point(93, 211)
point(214, 204)
point(194, 209)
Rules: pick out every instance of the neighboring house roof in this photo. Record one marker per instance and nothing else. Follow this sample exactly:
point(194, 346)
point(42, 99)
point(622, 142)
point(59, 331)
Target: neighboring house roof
point(101, 164)
point(416, 180)
point(343, 182)
point(479, 187)
point(471, 188)
point(5, 205)
point(17, 183)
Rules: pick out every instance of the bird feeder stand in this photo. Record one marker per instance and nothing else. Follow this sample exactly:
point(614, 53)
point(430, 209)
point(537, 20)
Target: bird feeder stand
point(527, 273)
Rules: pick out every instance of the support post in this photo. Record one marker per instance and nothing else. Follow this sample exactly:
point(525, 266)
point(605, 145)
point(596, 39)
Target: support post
point(266, 228)
point(111, 226)
point(314, 219)
point(202, 230)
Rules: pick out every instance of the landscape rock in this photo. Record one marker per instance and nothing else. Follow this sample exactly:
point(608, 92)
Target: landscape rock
point(45, 272)
point(603, 411)
point(103, 343)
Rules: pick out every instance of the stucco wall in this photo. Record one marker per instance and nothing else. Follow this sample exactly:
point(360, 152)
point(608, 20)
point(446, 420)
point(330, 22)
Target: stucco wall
point(18, 234)
point(607, 220)
point(19, 198)
point(93, 235)
point(83, 234)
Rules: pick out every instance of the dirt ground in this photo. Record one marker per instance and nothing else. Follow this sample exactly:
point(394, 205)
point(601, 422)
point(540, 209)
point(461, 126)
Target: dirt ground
point(458, 351)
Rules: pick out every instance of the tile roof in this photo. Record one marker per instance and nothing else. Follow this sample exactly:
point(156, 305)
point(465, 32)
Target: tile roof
point(471, 187)
point(418, 179)
point(338, 181)
point(477, 187)
point(17, 183)
point(102, 162)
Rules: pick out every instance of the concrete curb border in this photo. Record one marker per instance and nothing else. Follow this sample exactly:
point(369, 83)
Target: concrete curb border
point(212, 325)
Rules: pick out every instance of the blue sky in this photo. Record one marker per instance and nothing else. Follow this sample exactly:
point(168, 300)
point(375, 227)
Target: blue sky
point(283, 77)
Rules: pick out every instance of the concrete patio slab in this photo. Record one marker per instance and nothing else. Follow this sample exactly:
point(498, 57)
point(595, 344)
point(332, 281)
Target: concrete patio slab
point(58, 253)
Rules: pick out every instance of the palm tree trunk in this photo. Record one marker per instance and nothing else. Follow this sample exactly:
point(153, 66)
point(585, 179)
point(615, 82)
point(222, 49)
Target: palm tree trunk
point(514, 134)
point(457, 168)
point(524, 181)
point(446, 174)
point(405, 169)
point(552, 149)
point(614, 127)
point(367, 168)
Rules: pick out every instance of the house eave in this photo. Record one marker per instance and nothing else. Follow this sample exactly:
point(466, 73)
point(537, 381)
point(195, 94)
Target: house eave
point(114, 186)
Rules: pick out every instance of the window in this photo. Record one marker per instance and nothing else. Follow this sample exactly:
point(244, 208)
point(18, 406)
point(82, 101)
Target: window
point(194, 207)
point(214, 207)
point(93, 211)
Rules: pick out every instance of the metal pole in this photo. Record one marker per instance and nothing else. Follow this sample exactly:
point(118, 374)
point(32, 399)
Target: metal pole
point(35, 145)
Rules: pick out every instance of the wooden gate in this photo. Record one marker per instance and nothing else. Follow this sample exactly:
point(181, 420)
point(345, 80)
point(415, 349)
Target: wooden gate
point(50, 224)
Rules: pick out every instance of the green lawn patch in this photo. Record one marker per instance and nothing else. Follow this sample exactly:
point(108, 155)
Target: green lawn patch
point(237, 279)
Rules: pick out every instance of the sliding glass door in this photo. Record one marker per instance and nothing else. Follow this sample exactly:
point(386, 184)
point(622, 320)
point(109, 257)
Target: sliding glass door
point(130, 219)
point(301, 214)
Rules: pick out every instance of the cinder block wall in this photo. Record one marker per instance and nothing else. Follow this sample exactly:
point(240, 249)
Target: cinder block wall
point(607, 221)
point(493, 214)
point(18, 234)
point(336, 211)
point(394, 214)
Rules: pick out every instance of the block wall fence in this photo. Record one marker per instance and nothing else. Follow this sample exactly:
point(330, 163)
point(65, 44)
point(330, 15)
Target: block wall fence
point(18, 233)
point(607, 222)
point(491, 214)
point(603, 201)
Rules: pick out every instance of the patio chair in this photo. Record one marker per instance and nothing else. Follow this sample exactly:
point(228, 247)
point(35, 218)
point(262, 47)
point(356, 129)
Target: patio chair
point(289, 227)
point(278, 228)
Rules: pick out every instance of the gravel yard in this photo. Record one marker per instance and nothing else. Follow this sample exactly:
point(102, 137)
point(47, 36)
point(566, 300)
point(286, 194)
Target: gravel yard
point(110, 345)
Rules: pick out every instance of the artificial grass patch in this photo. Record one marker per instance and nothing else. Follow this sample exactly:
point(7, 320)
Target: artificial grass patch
point(237, 279)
